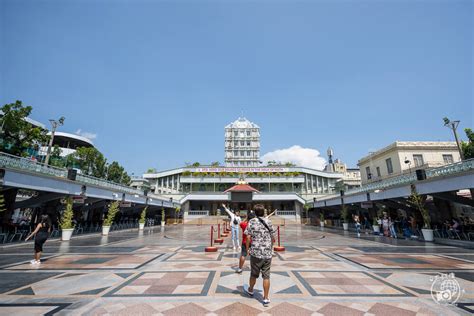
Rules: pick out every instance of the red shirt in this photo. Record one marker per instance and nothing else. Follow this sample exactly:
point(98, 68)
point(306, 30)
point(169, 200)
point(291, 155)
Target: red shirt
point(243, 225)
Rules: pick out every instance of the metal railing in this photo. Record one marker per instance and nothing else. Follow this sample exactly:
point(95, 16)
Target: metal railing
point(285, 213)
point(198, 213)
point(447, 170)
point(25, 164)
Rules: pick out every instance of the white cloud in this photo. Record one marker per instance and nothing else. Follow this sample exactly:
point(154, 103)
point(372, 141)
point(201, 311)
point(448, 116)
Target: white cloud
point(302, 157)
point(88, 135)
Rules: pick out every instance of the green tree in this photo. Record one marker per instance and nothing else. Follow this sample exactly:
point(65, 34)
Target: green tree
point(289, 164)
point(468, 147)
point(2, 203)
point(114, 207)
point(151, 170)
point(196, 164)
point(215, 164)
point(56, 160)
point(17, 135)
point(143, 216)
point(116, 173)
point(68, 214)
point(419, 202)
point(90, 161)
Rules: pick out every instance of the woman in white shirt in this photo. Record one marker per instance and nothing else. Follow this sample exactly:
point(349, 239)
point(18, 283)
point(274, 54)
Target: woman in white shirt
point(234, 225)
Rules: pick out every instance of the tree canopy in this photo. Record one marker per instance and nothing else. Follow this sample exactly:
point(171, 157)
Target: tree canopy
point(116, 173)
point(468, 147)
point(18, 135)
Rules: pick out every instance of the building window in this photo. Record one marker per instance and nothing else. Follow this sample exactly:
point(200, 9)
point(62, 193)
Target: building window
point(248, 153)
point(248, 143)
point(242, 153)
point(236, 144)
point(448, 159)
point(242, 143)
point(389, 165)
point(236, 152)
point(242, 133)
point(378, 172)
point(369, 175)
point(418, 159)
point(248, 133)
point(236, 133)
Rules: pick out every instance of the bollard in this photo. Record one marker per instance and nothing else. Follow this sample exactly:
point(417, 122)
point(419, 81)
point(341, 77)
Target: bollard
point(219, 240)
point(279, 247)
point(225, 231)
point(211, 248)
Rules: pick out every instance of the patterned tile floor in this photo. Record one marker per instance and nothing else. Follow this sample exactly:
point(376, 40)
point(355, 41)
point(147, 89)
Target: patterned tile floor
point(166, 272)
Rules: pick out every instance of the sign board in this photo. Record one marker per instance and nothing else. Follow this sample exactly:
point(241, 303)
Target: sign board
point(241, 170)
point(125, 204)
point(78, 199)
point(241, 196)
point(366, 204)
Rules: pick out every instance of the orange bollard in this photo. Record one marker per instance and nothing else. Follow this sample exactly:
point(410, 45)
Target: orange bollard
point(211, 248)
point(279, 247)
point(219, 240)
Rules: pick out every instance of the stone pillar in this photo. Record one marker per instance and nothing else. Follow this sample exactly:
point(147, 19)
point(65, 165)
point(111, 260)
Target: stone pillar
point(298, 209)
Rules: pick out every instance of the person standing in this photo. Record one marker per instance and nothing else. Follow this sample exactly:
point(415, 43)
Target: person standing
point(391, 225)
point(244, 253)
point(260, 231)
point(235, 221)
point(41, 234)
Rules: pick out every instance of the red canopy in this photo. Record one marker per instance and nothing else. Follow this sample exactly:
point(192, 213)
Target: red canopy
point(241, 188)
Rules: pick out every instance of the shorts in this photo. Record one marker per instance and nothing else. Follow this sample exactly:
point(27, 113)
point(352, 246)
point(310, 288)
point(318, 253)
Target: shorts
point(258, 266)
point(243, 253)
point(40, 239)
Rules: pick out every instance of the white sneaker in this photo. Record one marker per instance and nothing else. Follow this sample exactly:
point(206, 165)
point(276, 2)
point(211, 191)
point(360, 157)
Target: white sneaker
point(34, 261)
point(234, 249)
point(238, 270)
point(240, 249)
point(266, 303)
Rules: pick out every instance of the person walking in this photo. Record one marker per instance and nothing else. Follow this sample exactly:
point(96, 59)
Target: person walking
point(260, 238)
point(244, 252)
point(357, 224)
point(41, 234)
point(235, 221)
point(391, 225)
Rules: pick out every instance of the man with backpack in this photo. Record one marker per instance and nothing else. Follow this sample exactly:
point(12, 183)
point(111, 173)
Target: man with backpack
point(234, 225)
point(260, 231)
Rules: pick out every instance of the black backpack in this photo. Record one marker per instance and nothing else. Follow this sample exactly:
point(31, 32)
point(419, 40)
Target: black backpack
point(236, 222)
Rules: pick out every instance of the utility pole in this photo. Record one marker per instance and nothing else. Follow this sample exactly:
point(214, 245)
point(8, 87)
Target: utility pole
point(54, 125)
point(453, 125)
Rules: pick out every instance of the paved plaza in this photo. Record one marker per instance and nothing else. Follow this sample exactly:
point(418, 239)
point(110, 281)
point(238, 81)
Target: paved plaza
point(166, 272)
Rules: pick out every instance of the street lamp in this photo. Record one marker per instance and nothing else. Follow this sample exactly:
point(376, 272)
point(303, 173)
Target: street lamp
point(453, 125)
point(408, 162)
point(54, 125)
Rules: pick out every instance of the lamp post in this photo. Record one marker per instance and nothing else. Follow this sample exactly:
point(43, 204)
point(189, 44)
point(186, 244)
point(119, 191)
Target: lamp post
point(408, 162)
point(453, 125)
point(54, 125)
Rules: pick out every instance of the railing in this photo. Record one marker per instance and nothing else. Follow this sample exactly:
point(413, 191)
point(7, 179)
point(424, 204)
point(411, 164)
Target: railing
point(447, 170)
point(285, 213)
point(25, 164)
point(198, 213)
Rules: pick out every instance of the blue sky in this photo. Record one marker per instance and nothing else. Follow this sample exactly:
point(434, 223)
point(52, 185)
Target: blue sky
point(157, 81)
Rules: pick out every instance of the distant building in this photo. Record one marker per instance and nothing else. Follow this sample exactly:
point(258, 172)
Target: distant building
point(351, 176)
point(242, 144)
point(404, 157)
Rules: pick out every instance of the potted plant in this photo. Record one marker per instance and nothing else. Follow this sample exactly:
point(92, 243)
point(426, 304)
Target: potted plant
point(419, 202)
point(141, 221)
point(345, 217)
point(321, 219)
point(375, 225)
point(163, 216)
point(65, 223)
point(113, 209)
point(176, 210)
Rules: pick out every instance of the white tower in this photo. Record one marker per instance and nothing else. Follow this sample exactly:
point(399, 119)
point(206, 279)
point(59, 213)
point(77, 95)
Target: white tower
point(242, 144)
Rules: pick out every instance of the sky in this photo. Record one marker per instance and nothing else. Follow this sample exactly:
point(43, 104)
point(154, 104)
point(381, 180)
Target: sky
point(153, 83)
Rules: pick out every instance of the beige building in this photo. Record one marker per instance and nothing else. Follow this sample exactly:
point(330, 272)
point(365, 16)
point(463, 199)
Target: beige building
point(404, 157)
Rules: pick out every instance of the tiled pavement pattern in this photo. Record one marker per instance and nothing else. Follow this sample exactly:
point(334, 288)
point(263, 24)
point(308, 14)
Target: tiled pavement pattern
point(167, 272)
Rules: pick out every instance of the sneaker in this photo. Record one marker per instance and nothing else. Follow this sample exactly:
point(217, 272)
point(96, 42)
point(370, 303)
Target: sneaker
point(34, 261)
point(234, 249)
point(266, 302)
point(240, 249)
point(358, 235)
point(239, 270)
point(246, 290)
